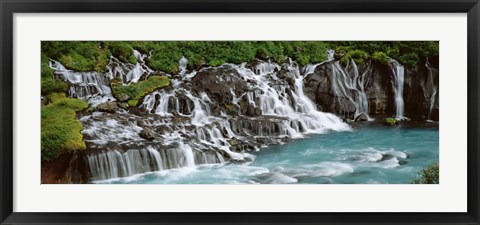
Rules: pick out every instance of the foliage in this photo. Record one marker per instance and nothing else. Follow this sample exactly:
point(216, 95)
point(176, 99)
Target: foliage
point(60, 128)
point(137, 90)
point(429, 175)
point(391, 121)
point(165, 55)
point(380, 57)
point(409, 60)
point(78, 55)
point(50, 85)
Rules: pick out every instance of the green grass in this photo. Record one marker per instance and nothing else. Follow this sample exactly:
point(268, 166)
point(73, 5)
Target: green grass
point(60, 128)
point(380, 57)
point(138, 90)
point(429, 175)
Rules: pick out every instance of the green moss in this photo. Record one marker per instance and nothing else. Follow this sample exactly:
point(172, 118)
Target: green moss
point(391, 121)
point(50, 85)
point(122, 50)
point(60, 128)
point(78, 55)
point(429, 175)
point(216, 62)
point(137, 90)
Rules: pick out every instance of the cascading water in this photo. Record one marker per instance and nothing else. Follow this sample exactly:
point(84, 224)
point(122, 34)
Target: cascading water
point(349, 84)
point(430, 88)
point(398, 72)
point(194, 124)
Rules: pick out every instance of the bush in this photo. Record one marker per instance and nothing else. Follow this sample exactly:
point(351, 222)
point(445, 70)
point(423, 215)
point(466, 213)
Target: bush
point(380, 57)
point(60, 128)
point(409, 60)
point(429, 175)
point(136, 91)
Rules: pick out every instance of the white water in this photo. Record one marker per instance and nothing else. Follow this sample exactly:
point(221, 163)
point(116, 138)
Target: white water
point(398, 72)
point(284, 110)
point(349, 84)
point(430, 88)
point(191, 133)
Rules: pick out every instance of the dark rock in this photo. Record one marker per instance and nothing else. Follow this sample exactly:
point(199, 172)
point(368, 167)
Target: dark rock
point(258, 111)
point(110, 107)
point(147, 133)
point(234, 141)
point(361, 117)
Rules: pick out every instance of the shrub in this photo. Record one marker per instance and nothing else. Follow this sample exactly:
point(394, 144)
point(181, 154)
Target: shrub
point(409, 60)
point(429, 175)
point(138, 90)
point(380, 57)
point(60, 128)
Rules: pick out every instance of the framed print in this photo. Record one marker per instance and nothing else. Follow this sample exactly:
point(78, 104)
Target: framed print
point(200, 112)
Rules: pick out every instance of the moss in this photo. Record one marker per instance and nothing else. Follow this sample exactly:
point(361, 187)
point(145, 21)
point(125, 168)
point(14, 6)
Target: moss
point(78, 55)
point(429, 175)
point(50, 85)
point(216, 62)
point(138, 90)
point(121, 50)
point(391, 121)
point(60, 128)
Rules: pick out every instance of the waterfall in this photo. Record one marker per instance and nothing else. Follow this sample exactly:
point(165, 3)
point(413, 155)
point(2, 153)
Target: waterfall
point(183, 65)
point(349, 85)
point(259, 105)
point(398, 72)
point(95, 86)
point(430, 88)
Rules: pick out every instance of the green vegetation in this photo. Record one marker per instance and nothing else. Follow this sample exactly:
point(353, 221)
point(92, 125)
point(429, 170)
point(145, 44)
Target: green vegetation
point(380, 57)
point(50, 85)
point(391, 121)
point(136, 91)
point(60, 128)
point(89, 56)
point(429, 175)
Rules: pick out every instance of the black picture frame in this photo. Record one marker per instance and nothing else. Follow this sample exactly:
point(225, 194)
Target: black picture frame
point(10, 7)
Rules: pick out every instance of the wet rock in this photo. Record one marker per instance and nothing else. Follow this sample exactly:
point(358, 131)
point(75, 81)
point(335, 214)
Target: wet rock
point(361, 117)
point(122, 97)
point(234, 141)
point(217, 111)
point(147, 133)
point(110, 107)
point(258, 111)
point(339, 54)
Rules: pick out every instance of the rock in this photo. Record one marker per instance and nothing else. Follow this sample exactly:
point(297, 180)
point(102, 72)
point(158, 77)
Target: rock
point(123, 97)
point(217, 112)
point(339, 54)
point(123, 105)
point(147, 133)
point(140, 123)
point(110, 107)
point(361, 117)
point(234, 142)
point(258, 111)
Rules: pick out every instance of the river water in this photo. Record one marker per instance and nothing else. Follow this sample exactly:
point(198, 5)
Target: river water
point(370, 154)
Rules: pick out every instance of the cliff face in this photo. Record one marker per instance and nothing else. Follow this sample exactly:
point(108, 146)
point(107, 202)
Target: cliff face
point(338, 89)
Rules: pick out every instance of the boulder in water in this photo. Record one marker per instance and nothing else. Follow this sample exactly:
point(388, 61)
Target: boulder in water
point(361, 117)
point(110, 107)
point(147, 133)
point(122, 97)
